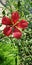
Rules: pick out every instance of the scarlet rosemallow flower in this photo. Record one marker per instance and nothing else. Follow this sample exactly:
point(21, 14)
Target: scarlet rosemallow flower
point(13, 25)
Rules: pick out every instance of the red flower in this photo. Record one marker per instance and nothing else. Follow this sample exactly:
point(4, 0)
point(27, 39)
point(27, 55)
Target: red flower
point(16, 25)
point(6, 21)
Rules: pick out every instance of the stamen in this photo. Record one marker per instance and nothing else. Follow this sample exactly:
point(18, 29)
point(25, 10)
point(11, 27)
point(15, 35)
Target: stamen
point(16, 24)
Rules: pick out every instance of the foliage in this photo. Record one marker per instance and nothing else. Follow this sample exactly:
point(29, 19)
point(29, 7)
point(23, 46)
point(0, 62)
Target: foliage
point(22, 48)
point(23, 6)
point(8, 53)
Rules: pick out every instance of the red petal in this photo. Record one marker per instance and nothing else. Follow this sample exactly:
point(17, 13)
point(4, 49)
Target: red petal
point(15, 16)
point(6, 21)
point(22, 24)
point(17, 34)
point(7, 31)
